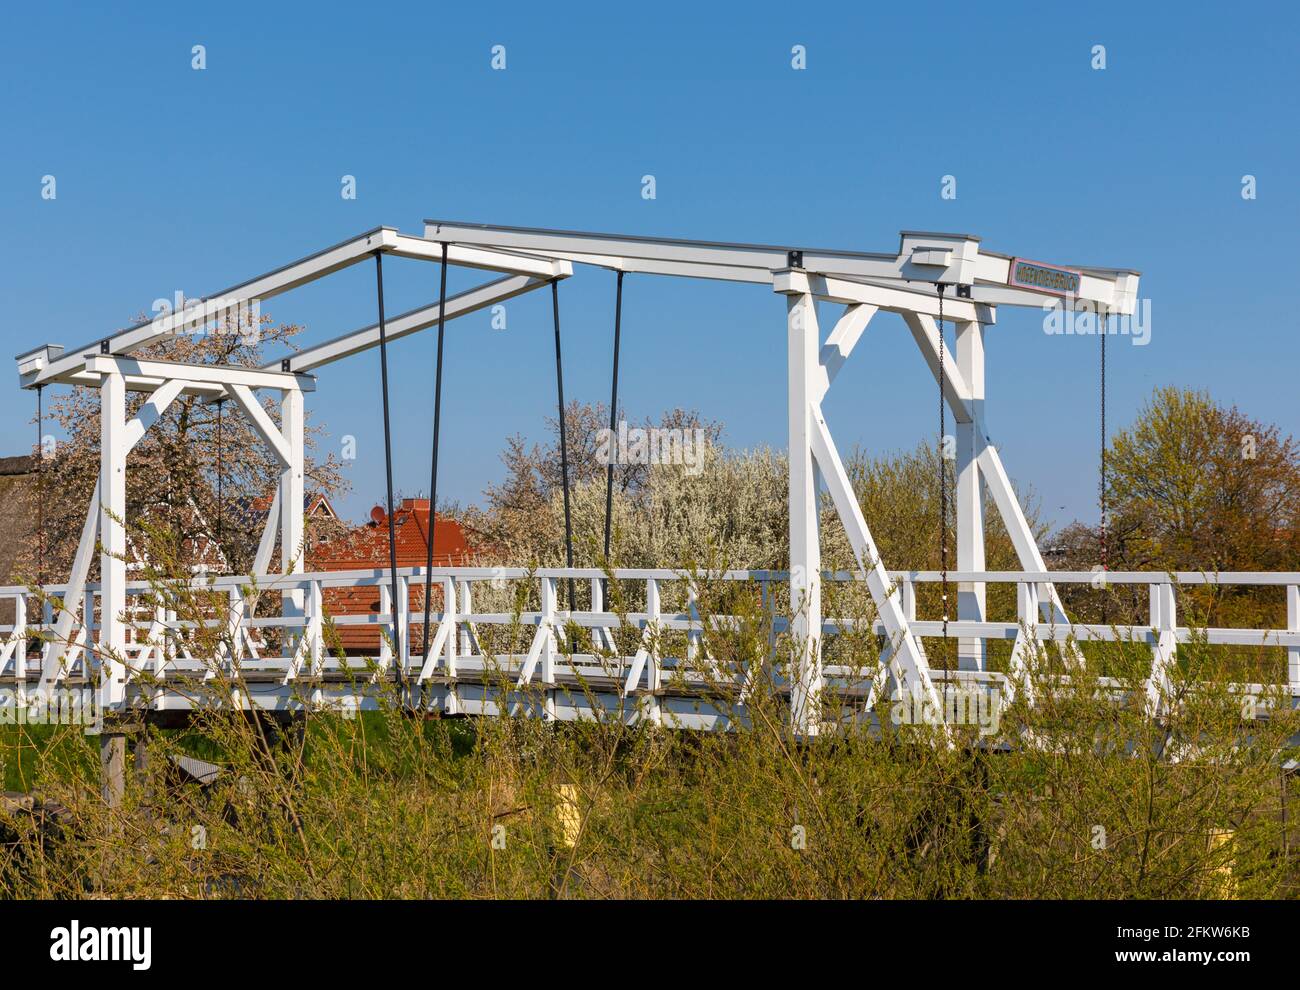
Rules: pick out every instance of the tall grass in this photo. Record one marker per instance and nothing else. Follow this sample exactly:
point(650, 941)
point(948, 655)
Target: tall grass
point(1085, 793)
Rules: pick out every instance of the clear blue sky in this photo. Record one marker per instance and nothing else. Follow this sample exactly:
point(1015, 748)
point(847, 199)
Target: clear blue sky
point(174, 179)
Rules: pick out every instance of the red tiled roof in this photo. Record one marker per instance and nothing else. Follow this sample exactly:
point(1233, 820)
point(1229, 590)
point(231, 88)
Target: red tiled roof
point(367, 547)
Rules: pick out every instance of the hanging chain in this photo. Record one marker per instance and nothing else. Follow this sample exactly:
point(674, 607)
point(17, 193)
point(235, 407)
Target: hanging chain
point(564, 444)
point(943, 478)
point(1101, 495)
point(1101, 321)
point(40, 492)
point(221, 470)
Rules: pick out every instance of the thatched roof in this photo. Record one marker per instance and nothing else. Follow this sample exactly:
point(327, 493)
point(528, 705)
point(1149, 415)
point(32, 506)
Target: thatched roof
point(17, 519)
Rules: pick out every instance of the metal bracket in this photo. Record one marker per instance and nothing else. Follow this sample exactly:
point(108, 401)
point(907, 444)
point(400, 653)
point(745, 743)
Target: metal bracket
point(963, 291)
point(103, 347)
point(284, 364)
point(794, 259)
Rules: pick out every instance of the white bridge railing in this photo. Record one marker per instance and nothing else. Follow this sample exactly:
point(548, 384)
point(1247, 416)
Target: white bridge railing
point(629, 661)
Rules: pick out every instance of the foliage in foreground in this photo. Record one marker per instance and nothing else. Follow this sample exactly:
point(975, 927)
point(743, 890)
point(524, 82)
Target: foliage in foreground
point(1082, 795)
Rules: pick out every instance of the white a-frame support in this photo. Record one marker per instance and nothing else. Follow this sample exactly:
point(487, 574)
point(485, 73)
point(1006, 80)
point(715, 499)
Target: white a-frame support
point(811, 370)
point(813, 455)
point(117, 438)
point(104, 528)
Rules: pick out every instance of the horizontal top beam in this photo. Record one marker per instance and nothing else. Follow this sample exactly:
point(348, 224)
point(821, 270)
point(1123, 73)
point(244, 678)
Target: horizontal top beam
point(273, 283)
point(923, 259)
point(205, 379)
point(700, 259)
point(50, 363)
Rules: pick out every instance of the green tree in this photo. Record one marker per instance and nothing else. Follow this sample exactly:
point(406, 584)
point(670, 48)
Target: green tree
point(1196, 486)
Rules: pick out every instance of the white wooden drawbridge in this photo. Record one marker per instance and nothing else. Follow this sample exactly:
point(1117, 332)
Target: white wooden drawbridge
point(931, 277)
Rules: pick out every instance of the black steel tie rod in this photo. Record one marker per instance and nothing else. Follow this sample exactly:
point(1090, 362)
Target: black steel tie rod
point(433, 469)
point(613, 415)
point(398, 633)
point(564, 444)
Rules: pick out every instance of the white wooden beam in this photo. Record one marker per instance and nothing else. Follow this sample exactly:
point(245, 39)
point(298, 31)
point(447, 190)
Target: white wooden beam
point(274, 283)
point(964, 260)
point(195, 375)
point(462, 256)
point(906, 656)
point(956, 389)
point(971, 652)
point(291, 501)
point(151, 412)
point(462, 304)
point(1021, 533)
point(803, 339)
point(266, 545)
point(262, 423)
point(58, 649)
point(900, 298)
point(839, 345)
point(112, 528)
point(957, 392)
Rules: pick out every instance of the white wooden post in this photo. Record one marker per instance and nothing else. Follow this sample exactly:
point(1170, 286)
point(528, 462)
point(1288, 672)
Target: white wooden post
point(401, 627)
point(20, 649)
point(162, 635)
point(47, 618)
point(768, 597)
point(234, 622)
point(803, 344)
point(172, 635)
point(1027, 614)
point(971, 651)
point(455, 632)
point(316, 627)
point(386, 608)
point(112, 559)
point(1163, 623)
point(601, 636)
point(907, 597)
point(548, 647)
point(1293, 625)
point(291, 505)
point(465, 612)
point(693, 634)
point(650, 707)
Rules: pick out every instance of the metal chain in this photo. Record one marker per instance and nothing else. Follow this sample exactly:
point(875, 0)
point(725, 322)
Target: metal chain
point(221, 470)
point(1101, 322)
point(943, 478)
point(564, 444)
point(40, 490)
point(1101, 495)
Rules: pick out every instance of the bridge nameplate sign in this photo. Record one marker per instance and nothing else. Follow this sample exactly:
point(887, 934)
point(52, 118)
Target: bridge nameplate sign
point(1026, 274)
